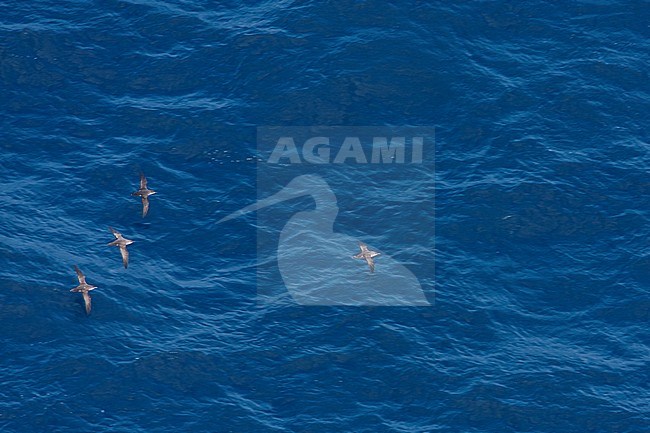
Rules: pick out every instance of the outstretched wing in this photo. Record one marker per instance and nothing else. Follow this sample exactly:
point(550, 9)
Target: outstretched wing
point(87, 302)
point(115, 233)
point(80, 276)
point(371, 263)
point(143, 181)
point(125, 256)
point(145, 205)
point(363, 247)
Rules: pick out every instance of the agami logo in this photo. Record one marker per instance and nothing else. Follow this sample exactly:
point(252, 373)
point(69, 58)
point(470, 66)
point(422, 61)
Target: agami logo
point(349, 149)
point(311, 258)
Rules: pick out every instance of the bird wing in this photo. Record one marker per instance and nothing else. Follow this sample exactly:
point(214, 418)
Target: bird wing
point(358, 256)
point(125, 256)
point(363, 247)
point(80, 276)
point(143, 181)
point(371, 263)
point(87, 301)
point(145, 205)
point(115, 233)
point(374, 254)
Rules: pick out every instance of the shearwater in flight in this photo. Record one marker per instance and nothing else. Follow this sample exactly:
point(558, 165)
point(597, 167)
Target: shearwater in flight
point(144, 192)
point(83, 288)
point(367, 255)
point(121, 242)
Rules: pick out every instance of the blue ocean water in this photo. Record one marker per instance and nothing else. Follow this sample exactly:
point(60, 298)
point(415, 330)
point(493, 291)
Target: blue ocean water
point(537, 270)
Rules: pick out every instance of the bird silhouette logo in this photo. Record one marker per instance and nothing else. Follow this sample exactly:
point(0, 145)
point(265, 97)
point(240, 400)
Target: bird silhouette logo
point(316, 264)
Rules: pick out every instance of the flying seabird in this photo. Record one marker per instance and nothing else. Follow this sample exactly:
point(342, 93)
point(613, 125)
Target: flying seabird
point(84, 288)
point(144, 193)
point(367, 255)
point(121, 242)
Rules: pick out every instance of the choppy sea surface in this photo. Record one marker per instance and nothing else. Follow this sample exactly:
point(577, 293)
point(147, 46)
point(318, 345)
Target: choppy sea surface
point(537, 271)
